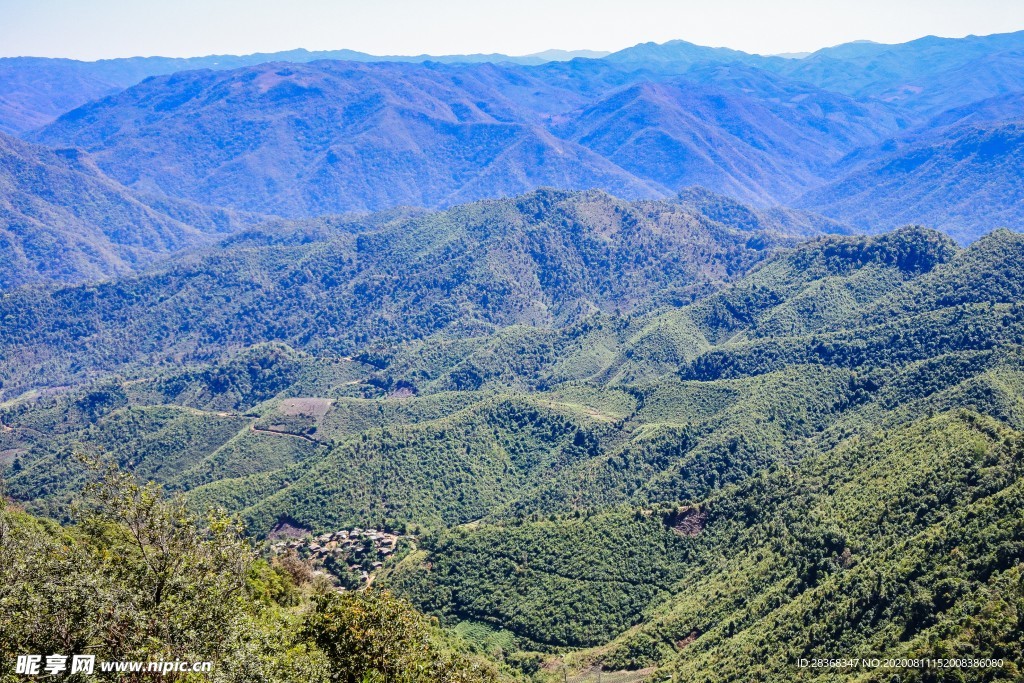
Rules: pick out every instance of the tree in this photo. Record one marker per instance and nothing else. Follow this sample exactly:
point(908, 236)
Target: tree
point(139, 578)
point(173, 581)
point(375, 637)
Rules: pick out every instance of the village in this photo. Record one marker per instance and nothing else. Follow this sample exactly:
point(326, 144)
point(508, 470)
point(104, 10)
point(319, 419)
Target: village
point(352, 556)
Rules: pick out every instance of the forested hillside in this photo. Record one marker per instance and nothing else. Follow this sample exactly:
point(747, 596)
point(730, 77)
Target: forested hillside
point(140, 578)
point(63, 220)
point(902, 544)
point(599, 457)
point(544, 259)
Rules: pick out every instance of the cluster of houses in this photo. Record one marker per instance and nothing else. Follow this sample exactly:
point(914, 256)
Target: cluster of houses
point(361, 551)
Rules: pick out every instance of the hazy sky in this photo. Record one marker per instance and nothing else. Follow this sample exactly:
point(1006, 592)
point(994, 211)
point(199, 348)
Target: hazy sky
point(93, 29)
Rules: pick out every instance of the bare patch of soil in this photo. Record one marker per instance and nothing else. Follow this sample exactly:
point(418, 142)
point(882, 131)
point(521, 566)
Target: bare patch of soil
point(688, 521)
point(310, 407)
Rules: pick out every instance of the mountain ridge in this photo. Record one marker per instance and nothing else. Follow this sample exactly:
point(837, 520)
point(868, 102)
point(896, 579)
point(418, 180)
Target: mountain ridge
point(962, 179)
point(59, 85)
point(651, 435)
point(304, 139)
point(299, 140)
point(63, 220)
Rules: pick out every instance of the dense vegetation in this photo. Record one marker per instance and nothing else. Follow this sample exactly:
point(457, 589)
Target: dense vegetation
point(140, 578)
point(890, 544)
point(541, 259)
point(747, 451)
point(670, 436)
point(574, 581)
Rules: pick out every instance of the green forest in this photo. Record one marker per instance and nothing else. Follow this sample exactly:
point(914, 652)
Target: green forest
point(678, 440)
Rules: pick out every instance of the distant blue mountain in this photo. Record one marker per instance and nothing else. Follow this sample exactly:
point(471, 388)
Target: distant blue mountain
point(305, 139)
point(965, 180)
point(301, 138)
point(1000, 108)
point(36, 90)
point(750, 135)
point(677, 55)
point(331, 136)
point(924, 76)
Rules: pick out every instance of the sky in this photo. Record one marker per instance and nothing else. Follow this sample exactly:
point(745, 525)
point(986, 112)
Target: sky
point(97, 29)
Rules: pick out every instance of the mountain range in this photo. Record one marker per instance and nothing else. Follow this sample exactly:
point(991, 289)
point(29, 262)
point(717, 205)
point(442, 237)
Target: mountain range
point(311, 136)
point(332, 136)
point(973, 164)
point(547, 258)
point(37, 89)
point(678, 363)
